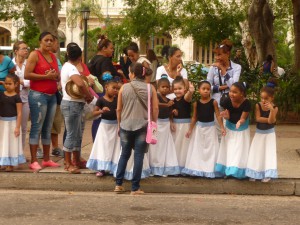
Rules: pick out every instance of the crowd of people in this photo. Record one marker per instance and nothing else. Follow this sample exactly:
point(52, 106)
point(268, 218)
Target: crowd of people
point(209, 137)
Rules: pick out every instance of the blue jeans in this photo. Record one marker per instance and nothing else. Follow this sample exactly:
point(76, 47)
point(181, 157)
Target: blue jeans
point(72, 112)
point(42, 111)
point(132, 140)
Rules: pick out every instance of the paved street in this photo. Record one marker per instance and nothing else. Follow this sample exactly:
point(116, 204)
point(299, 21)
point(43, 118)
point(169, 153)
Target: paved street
point(41, 207)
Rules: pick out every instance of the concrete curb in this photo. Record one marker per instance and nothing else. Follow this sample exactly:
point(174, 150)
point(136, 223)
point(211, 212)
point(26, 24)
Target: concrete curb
point(182, 185)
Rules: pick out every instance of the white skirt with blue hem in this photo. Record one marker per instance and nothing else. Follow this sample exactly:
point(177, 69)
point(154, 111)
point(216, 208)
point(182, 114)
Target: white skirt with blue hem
point(203, 151)
point(181, 142)
point(11, 150)
point(106, 145)
point(162, 156)
point(262, 160)
point(233, 152)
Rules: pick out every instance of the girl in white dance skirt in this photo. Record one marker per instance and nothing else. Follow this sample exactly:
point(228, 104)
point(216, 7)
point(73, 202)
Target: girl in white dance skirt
point(262, 160)
point(162, 156)
point(11, 150)
point(181, 117)
point(106, 143)
point(234, 147)
point(204, 145)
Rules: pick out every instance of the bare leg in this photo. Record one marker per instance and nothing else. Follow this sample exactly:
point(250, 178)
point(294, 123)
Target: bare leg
point(46, 150)
point(54, 140)
point(33, 150)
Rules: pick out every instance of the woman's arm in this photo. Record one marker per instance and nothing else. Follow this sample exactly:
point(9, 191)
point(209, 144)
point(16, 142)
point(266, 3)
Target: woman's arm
point(79, 82)
point(119, 108)
point(19, 118)
point(154, 102)
point(193, 121)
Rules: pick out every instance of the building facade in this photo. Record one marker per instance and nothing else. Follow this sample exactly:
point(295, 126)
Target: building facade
point(110, 10)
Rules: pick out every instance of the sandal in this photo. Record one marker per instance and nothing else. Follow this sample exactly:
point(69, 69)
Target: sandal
point(72, 169)
point(100, 173)
point(119, 189)
point(137, 192)
point(9, 169)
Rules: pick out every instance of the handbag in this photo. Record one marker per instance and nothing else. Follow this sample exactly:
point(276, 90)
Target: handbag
point(224, 96)
point(151, 136)
point(97, 87)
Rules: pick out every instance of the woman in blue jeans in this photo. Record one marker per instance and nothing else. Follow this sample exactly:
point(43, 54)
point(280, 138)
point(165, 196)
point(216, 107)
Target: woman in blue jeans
point(132, 121)
point(72, 107)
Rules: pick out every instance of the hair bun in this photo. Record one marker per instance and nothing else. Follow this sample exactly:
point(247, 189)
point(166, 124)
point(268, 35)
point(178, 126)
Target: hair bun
point(107, 77)
point(102, 37)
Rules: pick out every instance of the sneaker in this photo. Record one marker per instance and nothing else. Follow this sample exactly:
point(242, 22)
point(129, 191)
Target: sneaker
point(50, 163)
point(252, 179)
point(39, 153)
point(265, 180)
point(137, 192)
point(58, 152)
point(35, 166)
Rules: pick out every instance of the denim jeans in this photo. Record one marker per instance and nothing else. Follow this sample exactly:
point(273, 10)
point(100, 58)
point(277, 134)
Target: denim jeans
point(132, 140)
point(72, 112)
point(42, 110)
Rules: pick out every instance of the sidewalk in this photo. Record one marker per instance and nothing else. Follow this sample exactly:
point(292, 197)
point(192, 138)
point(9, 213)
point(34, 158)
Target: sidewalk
point(288, 140)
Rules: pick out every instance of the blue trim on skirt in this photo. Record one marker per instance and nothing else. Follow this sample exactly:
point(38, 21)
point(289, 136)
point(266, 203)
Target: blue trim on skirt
point(230, 171)
point(205, 124)
point(109, 121)
point(185, 120)
point(8, 118)
point(198, 173)
point(12, 161)
point(160, 171)
point(97, 165)
point(163, 120)
point(269, 131)
point(232, 126)
point(262, 174)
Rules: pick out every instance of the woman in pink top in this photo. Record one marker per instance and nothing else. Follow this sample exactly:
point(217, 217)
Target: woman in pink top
point(43, 73)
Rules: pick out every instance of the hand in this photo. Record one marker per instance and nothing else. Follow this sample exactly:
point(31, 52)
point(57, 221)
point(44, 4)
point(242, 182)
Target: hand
point(173, 127)
point(17, 132)
point(170, 103)
point(225, 114)
point(91, 80)
point(239, 123)
point(191, 87)
point(105, 109)
point(175, 112)
point(188, 134)
point(179, 68)
point(51, 74)
point(223, 131)
point(59, 88)
point(268, 105)
point(89, 99)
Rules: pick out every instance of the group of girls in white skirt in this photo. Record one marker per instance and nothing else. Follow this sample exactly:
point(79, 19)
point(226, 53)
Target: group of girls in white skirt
point(11, 150)
point(188, 145)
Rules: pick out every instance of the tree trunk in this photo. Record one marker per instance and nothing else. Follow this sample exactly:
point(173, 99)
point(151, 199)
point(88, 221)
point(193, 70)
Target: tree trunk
point(249, 47)
point(296, 16)
point(46, 15)
point(260, 19)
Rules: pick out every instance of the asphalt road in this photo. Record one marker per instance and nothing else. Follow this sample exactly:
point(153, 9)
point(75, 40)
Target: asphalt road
point(46, 207)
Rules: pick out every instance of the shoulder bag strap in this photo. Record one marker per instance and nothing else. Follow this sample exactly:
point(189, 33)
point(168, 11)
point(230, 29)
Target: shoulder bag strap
point(149, 99)
point(45, 58)
point(220, 80)
point(139, 98)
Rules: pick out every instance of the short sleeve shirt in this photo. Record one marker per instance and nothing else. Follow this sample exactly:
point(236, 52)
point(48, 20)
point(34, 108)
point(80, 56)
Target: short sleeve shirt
point(110, 115)
point(235, 113)
point(8, 105)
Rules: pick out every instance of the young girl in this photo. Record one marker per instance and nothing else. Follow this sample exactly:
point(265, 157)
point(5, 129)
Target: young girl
point(106, 141)
point(181, 118)
point(262, 161)
point(162, 156)
point(203, 149)
point(11, 151)
point(234, 147)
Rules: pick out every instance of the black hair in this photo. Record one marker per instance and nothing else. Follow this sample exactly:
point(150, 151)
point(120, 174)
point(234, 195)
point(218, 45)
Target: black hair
point(204, 82)
point(103, 42)
point(73, 51)
point(140, 71)
point(14, 77)
point(125, 51)
point(270, 87)
point(269, 58)
point(242, 86)
point(163, 80)
point(165, 51)
point(177, 80)
point(133, 47)
point(151, 55)
point(172, 51)
point(44, 34)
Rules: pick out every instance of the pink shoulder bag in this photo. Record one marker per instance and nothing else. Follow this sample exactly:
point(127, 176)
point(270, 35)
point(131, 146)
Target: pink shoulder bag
point(151, 137)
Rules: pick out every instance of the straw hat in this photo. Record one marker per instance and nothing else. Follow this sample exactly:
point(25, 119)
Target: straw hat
point(73, 90)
